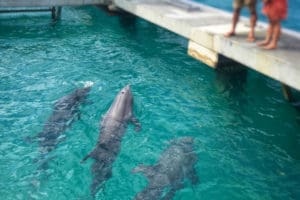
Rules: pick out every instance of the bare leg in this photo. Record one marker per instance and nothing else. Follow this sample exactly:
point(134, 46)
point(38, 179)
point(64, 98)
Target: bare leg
point(251, 35)
point(268, 36)
point(275, 36)
point(235, 19)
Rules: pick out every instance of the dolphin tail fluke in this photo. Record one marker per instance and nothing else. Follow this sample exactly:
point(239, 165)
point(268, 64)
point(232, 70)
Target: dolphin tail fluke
point(94, 190)
point(95, 187)
point(192, 176)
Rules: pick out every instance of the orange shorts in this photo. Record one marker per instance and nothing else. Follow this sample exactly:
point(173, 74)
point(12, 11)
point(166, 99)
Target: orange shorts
point(251, 4)
point(276, 9)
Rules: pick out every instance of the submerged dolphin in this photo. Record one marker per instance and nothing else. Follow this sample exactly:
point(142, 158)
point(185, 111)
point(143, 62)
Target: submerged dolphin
point(174, 166)
point(113, 127)
point(65, 112)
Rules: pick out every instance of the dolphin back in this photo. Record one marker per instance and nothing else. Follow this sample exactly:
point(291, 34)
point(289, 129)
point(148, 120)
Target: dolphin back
point(65, 112)
point(112, 128)
point(175, 165)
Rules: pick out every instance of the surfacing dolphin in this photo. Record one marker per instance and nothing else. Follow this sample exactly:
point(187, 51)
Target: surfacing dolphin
point(113, 127)
point(167, 176)
point(65, 112)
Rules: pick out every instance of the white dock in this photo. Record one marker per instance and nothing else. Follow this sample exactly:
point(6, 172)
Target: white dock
point(205, 26)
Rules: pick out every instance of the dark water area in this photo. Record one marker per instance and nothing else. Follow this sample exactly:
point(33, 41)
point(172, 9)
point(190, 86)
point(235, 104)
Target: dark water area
point(247, 137)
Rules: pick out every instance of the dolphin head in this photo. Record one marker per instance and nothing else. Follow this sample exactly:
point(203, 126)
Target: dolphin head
point(184, 143)
point(121, 109)
point(186, 140)
point(74, 99)
point(81, 93)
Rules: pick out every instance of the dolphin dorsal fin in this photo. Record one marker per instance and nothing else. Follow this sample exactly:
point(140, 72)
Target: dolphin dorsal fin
point(148, 171)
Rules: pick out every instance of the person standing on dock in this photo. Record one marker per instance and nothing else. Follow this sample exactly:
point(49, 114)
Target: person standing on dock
point(275, 10)
point(237, 6)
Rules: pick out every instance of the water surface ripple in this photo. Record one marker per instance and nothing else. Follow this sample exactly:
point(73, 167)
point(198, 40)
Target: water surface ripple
point(246, 135)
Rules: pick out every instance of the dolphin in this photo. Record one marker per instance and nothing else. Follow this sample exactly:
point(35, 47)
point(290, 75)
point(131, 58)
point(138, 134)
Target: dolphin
point(65, 112)
point(113, 126)
point(175, 165)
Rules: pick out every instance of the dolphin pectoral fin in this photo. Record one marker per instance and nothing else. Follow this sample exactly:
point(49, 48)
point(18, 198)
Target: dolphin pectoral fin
point(148, 171)
point(86, 157)
point(136, 123)
point(92, 154)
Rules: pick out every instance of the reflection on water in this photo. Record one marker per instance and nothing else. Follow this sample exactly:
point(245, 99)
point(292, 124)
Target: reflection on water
point(128, 21)
point(231, 80)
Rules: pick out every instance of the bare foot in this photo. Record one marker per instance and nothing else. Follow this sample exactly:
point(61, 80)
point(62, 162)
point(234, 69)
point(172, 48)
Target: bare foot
point(270, 46)
point(250, 39)
point(230, 34)
point(263, 43)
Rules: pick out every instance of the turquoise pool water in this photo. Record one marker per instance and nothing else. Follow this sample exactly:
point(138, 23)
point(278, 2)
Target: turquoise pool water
point(247, 137)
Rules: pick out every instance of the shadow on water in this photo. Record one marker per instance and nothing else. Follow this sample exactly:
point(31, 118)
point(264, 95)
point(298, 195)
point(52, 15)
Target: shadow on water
point(231, 81)
point(297, 107)
point(296, 104)
point(128, 22)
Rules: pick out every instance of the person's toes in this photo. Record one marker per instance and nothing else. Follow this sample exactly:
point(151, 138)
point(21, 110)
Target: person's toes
point(229, 34)
point(250, 39)
point(270, 47)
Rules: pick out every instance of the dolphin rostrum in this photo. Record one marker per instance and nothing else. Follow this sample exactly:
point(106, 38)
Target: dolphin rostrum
point(65, 112)
point(113, 127)
point(167, 176)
